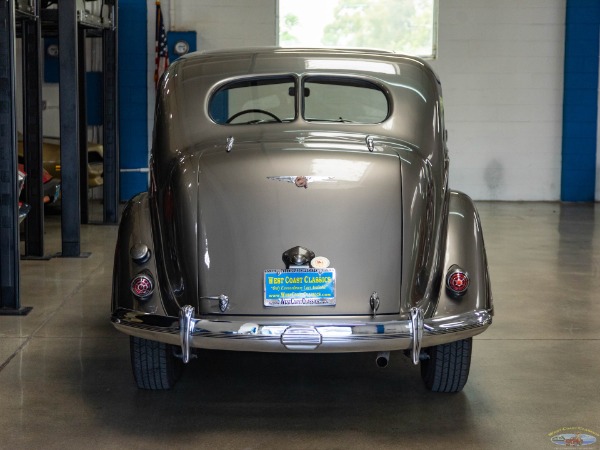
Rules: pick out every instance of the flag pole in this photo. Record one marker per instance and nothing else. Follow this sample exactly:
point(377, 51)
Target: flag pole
point(161, 60)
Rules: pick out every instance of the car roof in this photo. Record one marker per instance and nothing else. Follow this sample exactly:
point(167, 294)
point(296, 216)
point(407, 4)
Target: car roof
point(261, 60)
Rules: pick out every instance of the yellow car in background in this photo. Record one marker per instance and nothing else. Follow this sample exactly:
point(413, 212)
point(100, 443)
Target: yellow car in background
point(51, 159)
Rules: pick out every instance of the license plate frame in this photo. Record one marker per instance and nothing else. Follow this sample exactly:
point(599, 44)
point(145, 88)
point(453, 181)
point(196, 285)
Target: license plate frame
point(299, 287)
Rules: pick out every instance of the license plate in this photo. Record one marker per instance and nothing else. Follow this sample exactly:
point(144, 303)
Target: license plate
point(299, 287)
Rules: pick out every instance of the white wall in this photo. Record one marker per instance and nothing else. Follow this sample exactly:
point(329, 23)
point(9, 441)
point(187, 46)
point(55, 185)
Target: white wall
point(219, 24)
point(501, 66)
point(227, 23)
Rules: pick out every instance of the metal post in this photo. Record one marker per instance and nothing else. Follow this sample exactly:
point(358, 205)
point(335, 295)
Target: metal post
point(32, 134)
point(83, 154)
point(111, 122)
point(9, 228)
point(69, 128)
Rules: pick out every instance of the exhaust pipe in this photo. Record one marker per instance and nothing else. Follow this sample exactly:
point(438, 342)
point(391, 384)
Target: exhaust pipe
point(382, 359)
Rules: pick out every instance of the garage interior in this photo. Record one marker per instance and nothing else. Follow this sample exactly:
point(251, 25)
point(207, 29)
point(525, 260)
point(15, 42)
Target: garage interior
point(520, 146)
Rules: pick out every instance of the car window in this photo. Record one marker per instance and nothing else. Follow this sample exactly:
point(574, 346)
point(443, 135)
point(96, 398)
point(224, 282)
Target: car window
point(254, 101)
point(340, 99)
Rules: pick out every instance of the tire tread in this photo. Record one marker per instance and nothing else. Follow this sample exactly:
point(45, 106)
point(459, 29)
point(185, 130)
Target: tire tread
point(154, 365)
point(447, 369)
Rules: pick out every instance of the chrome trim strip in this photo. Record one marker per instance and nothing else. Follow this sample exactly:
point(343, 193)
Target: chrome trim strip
point(337, 335)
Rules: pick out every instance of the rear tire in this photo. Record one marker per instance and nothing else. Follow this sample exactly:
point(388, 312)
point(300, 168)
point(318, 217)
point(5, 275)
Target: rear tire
point(154, 364)
point(447, 368)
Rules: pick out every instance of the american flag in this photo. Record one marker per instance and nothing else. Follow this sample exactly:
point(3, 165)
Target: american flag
point(161, 50)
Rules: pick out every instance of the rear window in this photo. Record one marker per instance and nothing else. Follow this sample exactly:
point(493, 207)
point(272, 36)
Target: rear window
point(254, 101)
point(344, 100)
point(323, 99)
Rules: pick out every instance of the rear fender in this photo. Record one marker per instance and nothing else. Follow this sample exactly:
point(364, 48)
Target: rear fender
point(465, 248)
point(135, 228)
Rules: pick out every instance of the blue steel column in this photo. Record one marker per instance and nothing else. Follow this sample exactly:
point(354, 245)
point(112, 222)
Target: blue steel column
point(82, 111)
point(9, 228)
point(133, 98)
point(580, 102)
point(69, 128)
point(32, 134)
point(111, 122)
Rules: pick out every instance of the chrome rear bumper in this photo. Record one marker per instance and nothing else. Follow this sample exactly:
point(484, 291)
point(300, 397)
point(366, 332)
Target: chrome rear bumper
point(304, 335)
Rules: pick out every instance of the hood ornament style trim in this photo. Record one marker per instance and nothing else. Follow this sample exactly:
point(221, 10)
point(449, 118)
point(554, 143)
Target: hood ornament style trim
point(302, 181)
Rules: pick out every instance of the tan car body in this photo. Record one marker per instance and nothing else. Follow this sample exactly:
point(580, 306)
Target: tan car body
point(51, 159)
point(228, 199)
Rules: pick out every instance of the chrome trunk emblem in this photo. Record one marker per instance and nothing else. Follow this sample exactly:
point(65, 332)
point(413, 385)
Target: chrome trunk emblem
point(302, 181)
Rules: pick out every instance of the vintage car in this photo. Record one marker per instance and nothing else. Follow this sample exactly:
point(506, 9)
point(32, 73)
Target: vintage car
point(24, 208)
point(51, 159)
point(299, 202)
point(50, 186)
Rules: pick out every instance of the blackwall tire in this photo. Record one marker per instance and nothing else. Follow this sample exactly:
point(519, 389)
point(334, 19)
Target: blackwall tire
point(447, 368)
point(154, 364)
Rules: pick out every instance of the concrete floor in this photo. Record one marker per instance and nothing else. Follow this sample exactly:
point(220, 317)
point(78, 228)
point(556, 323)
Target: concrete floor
point(65, 380)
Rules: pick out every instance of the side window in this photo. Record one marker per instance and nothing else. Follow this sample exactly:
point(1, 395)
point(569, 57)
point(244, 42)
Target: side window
point(257, 100)
point(350, 100)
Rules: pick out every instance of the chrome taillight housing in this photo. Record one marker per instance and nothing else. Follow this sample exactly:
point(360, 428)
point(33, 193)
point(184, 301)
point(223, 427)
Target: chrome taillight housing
point(142, 285)
point(457, 281)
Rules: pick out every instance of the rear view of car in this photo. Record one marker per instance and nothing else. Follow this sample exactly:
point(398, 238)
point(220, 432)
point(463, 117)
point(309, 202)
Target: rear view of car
point(299, 202)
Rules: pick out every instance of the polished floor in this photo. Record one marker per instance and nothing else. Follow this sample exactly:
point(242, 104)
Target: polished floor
point(65, 380)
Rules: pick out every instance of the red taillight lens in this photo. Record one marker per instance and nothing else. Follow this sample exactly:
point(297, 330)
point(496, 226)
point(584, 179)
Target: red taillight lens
point(457, 280)
point(142, 285)
point(46, 176)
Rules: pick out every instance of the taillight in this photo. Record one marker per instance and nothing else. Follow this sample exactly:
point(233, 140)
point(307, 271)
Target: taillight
point(457, 281)
point(20, 180)
point(46, 176)
point(142, 285)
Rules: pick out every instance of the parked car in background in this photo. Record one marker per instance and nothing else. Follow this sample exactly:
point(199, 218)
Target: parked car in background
point(299, 202)
point(50, 186)
point(24, 208)
point(51, 159)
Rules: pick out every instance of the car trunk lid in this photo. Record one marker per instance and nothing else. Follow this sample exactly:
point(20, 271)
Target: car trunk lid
point(259, 200)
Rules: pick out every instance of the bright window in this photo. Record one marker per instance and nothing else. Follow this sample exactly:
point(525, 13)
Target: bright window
point(256, 100)
point(406, 26)
point(323, 99)
point(347, 100)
